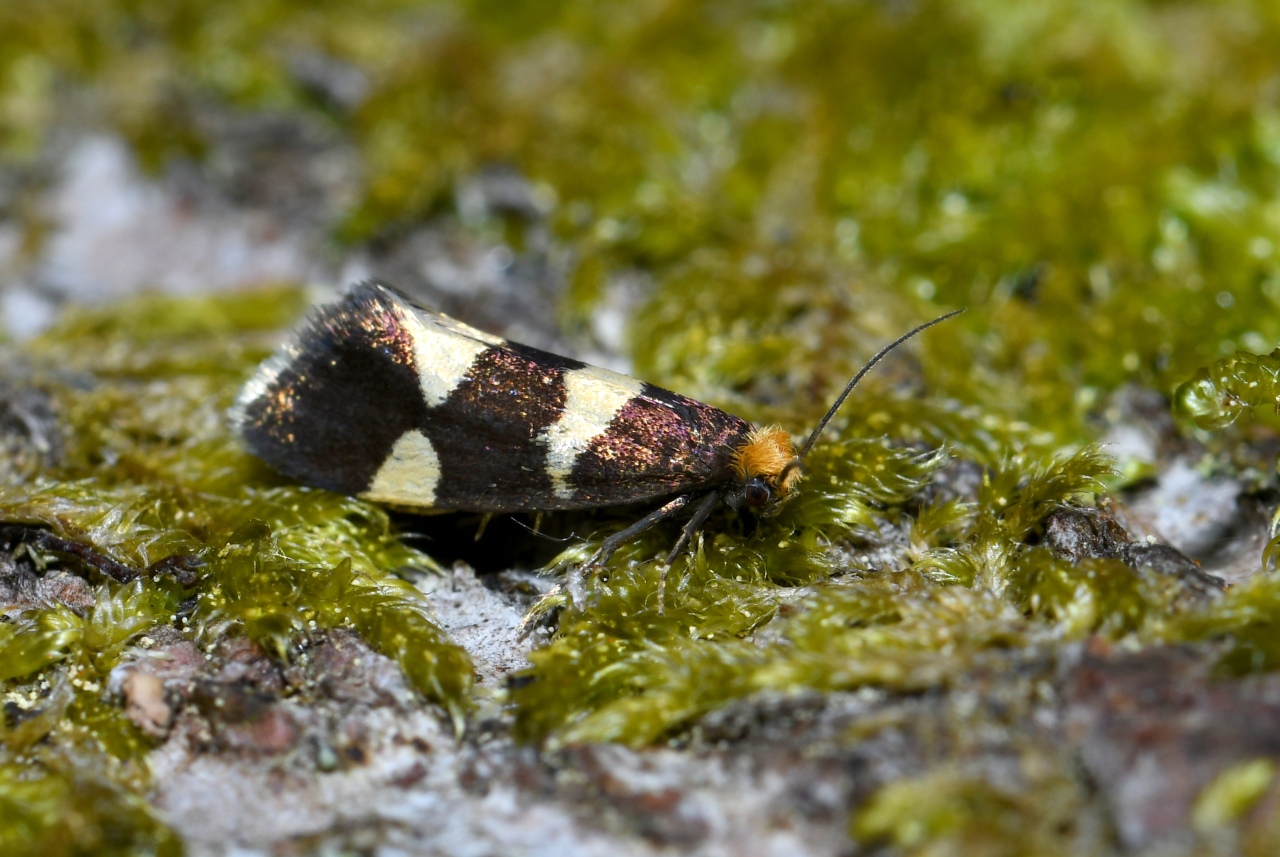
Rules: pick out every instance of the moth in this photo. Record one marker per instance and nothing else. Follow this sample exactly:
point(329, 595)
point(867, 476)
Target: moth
point(395, 403)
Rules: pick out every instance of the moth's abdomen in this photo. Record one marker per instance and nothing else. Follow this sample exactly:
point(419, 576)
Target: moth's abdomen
point(401, 405)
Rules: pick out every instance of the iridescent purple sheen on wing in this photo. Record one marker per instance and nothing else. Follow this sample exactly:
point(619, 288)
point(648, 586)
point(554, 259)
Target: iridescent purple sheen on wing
point(659, 444)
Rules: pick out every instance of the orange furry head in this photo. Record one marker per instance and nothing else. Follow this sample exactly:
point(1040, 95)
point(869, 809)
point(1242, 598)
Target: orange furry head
point(767, 465)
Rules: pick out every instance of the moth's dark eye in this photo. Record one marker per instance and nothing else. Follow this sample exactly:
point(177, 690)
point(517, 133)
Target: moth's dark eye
point(757, 494)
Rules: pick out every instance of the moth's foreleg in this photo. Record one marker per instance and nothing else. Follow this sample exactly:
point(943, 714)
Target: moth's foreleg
point(182, 567)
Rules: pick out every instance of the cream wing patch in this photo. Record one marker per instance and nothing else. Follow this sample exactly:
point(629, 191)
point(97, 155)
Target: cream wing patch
point(443, 350)
point(410, 474)
point(593, 397)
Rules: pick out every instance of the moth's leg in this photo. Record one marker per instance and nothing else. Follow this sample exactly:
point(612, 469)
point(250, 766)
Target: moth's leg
point(181, 566)
point(695, 522)
point(691, 527)
point(576, 577)
point(648, 522)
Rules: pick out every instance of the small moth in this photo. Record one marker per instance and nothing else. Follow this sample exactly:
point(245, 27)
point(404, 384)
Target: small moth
point(402, 405)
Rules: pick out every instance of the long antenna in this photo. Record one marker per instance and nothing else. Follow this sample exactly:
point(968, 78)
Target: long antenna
point(856, 378)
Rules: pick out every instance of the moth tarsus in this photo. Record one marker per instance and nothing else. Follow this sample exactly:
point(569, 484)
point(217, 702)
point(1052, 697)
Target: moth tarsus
point(181, 567)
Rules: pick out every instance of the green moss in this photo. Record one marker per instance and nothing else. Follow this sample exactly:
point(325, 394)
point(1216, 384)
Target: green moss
point(1012, 500)
point(66, 804)
point(1096, 596)
point(1245, 620)
point(949, 812)
point(620, 670)
point(72, 777)
point(625, 668)
point(1232, 793)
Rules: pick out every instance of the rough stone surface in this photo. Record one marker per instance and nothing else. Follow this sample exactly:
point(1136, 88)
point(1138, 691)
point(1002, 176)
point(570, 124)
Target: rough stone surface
point(1154, 727)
